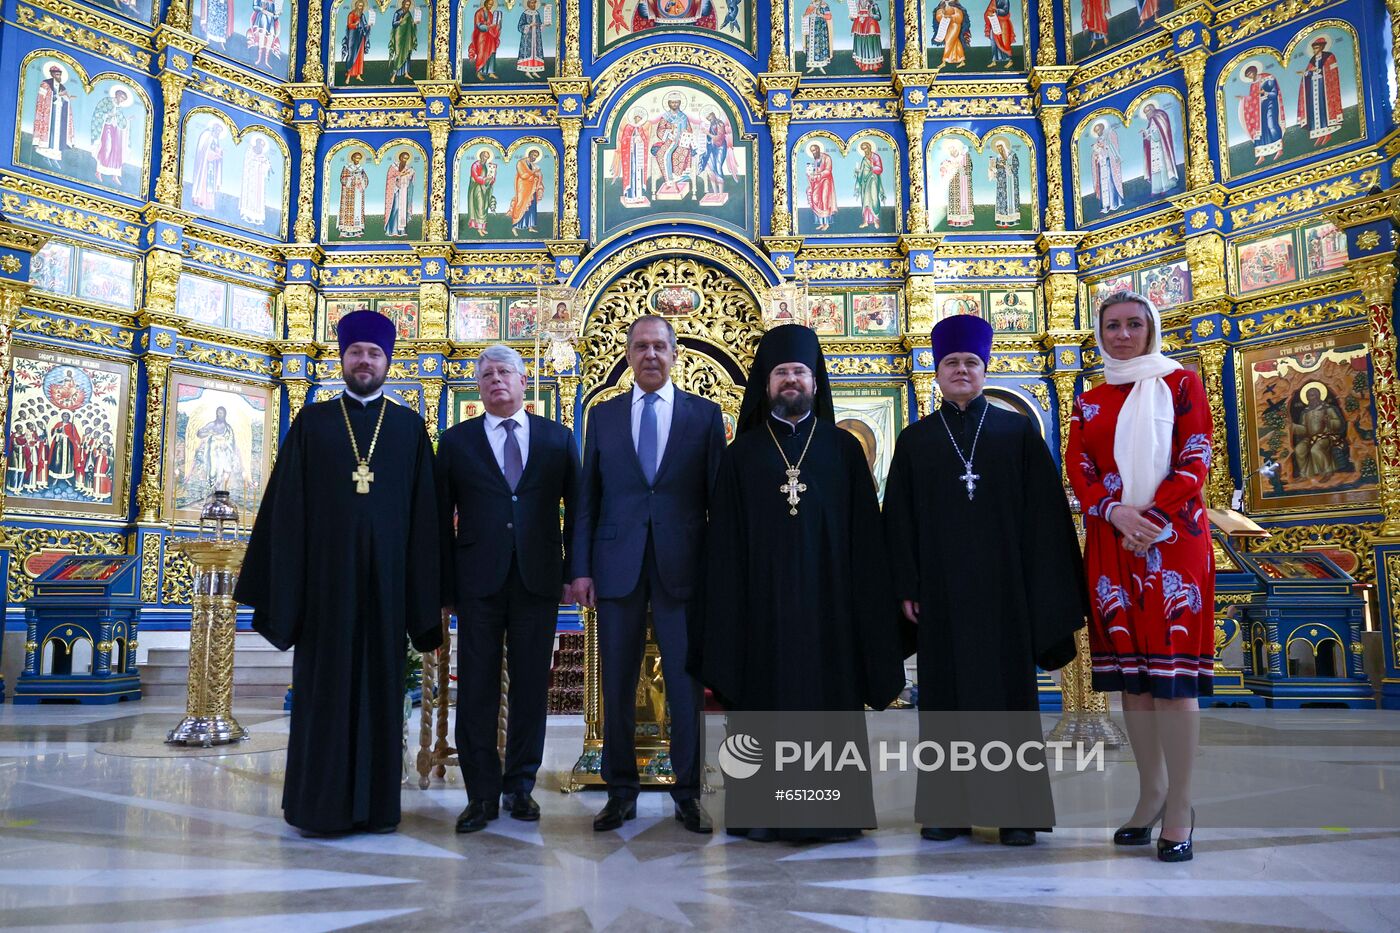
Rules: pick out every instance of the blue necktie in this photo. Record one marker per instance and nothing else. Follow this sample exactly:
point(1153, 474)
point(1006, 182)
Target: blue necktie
point(646, 437)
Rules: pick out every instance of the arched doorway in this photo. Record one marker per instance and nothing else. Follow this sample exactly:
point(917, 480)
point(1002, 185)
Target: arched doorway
point(714, 309)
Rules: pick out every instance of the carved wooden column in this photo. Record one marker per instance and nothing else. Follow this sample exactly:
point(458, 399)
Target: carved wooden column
point(305, 229)
point(573, 60)
point(1050, 120)
point(778, 57)
point(1220, 485)
point(1376, 276)
point(148, 492)
point(568, 398)
point(296, 397)
point(572, 127)
point(780, 222)
point(172, 88)
point(925, 385)
point(440, 65)
point(312, 69)
point(1200, 168)
point(913, 56)
point(917, 216)
point(436, 229)
point(17, 248)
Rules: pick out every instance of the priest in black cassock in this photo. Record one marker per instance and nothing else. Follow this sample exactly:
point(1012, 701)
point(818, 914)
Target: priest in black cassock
point(342, 565)
point(987, 565)
point(798, 610)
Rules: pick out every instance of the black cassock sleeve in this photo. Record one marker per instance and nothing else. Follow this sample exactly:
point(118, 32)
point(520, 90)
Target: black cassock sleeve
point(902, 536)
point(273, 577)
point(874, 606)
point(718, 647)
point(423, 572)
point(1054, 566)
point(447, 525)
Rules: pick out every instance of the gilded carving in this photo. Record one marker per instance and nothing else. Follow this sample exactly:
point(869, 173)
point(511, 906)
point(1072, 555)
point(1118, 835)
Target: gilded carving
point(1061, 297)
point(780, 224)
point(150, 566)
point(76, 330)
point(177, 578)
point(1306, 199)
point(172, 86)
point(1050, 120)
point(1278, 322)
point(1041, 393)
point(1376, 276)
point(24, 543)
point(1353, 537)
point(1245, 26)
point(569, 222)
point(108, 38)
point(1205, 257)
point(436, 229)
point(917, 217)
point(296, 397)
point(740, 78)
point(1220, 485)
point(305, 228)
point(1200, 170)
point(162, 277)
point(1064, 380)
point(149, 493)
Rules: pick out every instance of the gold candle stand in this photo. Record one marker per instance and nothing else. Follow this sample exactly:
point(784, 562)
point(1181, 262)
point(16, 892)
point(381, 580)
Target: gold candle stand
point(209, 707)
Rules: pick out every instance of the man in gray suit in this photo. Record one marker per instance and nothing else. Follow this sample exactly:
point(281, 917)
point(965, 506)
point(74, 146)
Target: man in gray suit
point(649, 463)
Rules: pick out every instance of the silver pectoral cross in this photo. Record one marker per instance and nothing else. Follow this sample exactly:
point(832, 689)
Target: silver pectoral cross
point(792, 487)
point(970, 479)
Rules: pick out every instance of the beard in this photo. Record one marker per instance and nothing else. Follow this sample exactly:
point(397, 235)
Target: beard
point(794, 409)
point(364, 382)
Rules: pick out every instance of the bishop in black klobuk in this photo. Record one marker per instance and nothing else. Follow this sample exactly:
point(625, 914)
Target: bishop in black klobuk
point(799, 614)
point(343, 566)
point(987, 566)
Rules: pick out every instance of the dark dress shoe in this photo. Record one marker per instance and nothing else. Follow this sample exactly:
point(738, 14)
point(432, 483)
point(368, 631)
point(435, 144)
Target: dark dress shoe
point(693, 817)
point(1137, 835)
point(614, 813)
point(944, 833)
point(382, 830)
point(763, 835)
point(1171, 851)
point(521, 807)
point(477, 814)
point(1017, 837)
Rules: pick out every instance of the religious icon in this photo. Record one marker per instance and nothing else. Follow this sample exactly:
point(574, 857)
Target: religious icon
point(674, 152)
point(724, 20)
point(52, 269)
point(241, 181)
point(1013, 312)
point(521, 315)
point(874, 316)
point(98, 136)
point(208, 167)
point(486, 39)
point(363, 207)
point(826, 314)
point(404, 314)
point(675, 301)
point(1096, 24)
point(1004, 169)
point(1310, 411)
point(848, 189)
point(258, 37)
point(870, 185)
point(505, 194)
point(337, 308)
point(1281, 106)
point(250, 312)
point(866, 50)
point(201, 300)
point(107, 278)
point(1266, 263)
point(70, 419)
point(959, 303)
point(219, 440)
point(380, 41)
point(850, 44)
point(1324, 248)
point(1113, 177)
point(821, 187)
point(875, 415)
point(1165, 286)
point(953, 33)
point(481, 179)
point(477, 319)
point(354, 181)
point(955, 177)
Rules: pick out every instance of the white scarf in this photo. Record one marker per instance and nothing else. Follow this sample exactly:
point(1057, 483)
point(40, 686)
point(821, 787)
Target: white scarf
point(1142, 441)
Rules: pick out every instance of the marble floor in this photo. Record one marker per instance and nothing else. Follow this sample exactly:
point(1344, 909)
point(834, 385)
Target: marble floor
point(90, 841)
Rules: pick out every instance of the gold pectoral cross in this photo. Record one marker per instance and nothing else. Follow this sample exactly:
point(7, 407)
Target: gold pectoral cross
point(792, 487)
point(362, 477)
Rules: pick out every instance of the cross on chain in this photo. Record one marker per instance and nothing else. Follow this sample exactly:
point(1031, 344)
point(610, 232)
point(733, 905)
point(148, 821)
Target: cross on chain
point(362, 477)
point(792, 487)
point(970, 479)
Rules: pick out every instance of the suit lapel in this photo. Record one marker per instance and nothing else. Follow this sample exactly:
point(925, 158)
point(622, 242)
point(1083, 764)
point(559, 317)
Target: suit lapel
point(477, 438)
point(680, 414)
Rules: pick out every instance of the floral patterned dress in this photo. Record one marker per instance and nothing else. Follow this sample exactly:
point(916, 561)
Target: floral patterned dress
point(1153, 625)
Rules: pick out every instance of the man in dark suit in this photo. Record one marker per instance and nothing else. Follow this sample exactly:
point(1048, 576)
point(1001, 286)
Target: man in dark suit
point(650, 461)
point(504, 474)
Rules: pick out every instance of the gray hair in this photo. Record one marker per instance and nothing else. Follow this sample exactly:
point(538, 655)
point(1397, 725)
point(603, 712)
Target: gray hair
point(500, 353)
point(670, 331)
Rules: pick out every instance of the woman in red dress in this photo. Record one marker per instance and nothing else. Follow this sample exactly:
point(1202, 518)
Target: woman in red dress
point(1139, 449)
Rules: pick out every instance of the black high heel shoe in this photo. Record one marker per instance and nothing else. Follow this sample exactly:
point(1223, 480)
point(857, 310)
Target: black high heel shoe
point(1138, 835)
point(1170, 851)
